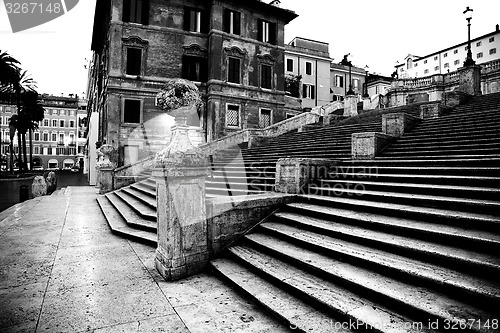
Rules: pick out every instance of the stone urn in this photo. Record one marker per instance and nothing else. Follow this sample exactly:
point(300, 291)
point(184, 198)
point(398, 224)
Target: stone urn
point(104, 157)
point(179, 98)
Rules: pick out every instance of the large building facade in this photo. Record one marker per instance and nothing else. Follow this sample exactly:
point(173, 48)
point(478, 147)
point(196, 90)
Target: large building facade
point(311, 60)
point(232, 50)
point(56, 143)
point(484, 49)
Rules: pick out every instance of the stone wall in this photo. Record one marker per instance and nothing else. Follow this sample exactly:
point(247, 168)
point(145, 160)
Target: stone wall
point(229, 218)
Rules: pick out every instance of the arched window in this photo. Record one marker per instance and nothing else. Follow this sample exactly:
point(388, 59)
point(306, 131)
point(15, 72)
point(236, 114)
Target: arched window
point(409, 63)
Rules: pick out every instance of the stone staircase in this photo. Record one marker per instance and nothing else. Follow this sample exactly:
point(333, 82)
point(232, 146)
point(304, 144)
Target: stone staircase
point(395, 244)
point(410, 238)
point(131, 211)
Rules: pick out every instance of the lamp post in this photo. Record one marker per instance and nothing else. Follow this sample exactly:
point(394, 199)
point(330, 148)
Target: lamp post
point(365, 93)
point(346, 62)
point(468, 16)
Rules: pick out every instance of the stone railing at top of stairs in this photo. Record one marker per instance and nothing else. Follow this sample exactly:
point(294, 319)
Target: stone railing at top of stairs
point(127, 174)
point(247, 135)
point(490, 66)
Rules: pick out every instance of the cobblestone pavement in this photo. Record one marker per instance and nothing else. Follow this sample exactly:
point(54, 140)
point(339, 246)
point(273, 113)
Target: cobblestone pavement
point(61, 270)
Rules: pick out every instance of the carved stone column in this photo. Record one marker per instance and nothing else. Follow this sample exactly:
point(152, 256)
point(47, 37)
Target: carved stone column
point(180, 171)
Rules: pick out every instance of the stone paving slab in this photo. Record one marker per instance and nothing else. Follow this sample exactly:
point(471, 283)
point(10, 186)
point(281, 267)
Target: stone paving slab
point(62, 270)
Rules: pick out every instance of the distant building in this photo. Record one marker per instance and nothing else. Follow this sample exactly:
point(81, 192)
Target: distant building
point(233, 50)
point(378, 84)
point(484, 49)
point(55, 143)
point(311, 60)
point(339, 81)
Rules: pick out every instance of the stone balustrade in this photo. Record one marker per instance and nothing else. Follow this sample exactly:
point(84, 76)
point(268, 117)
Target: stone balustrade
point(247, 135)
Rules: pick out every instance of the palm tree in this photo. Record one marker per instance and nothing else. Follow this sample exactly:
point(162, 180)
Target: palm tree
point(21, 87)
point(9, 76)
point(8, 69)
point(33, 112)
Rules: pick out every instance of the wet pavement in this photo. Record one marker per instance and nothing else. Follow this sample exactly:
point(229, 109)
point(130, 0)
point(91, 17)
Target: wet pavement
point(61, 270)
point(9, 188)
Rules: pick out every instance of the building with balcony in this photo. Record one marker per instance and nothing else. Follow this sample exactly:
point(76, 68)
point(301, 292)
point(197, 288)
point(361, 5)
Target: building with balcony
point(232, 50)
point(484, 49)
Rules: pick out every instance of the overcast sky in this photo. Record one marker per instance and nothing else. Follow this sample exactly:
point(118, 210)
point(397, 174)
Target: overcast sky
point(376, 33)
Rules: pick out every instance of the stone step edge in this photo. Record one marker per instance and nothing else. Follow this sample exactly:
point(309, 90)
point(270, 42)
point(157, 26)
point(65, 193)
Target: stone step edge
point(231, 271)
point(350, 281)
point(125, 231)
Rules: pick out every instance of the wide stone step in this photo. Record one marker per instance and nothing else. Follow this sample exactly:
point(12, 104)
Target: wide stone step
point(482, 238)
point(457, 161)
point(477, 219)
point(444, 155)
point(412, 298)
point(129, 215)
point(263, 174)
point(340, 302)
point(144, 210)
point(443, 132)
point(118, 225)
point(146, 188)
point(237, 186)
point(469, 261)
point(425, 176)
point(483, 117)
point(146, 198)
point(450, 130)
point(449, 168)
point(461, 203)
point(448, 280)
point(295, 313)
point(220, 191)
point(470, 142)
point(300, 146)
point(403, 186)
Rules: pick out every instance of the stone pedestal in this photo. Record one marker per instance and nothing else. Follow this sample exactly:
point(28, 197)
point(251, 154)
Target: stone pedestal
point(105, 168)
point(39, 187)
point(105, 179)
point(368, 144)
point(351, 105)
point(293, 175)
point(182, 227)
point(433, 110)
point(395, 124)
point(470, 80)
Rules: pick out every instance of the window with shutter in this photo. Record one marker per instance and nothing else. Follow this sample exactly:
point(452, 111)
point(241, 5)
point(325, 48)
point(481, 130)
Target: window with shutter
point(134, 57)
point(233, 73)
point(231, 22)
point(266, 76)
point(267, 32)
point(136, 11)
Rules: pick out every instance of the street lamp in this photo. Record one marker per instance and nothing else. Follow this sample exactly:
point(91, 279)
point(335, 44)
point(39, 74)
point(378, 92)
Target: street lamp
point(365, 94)
point(468, 61)
point(346, 62)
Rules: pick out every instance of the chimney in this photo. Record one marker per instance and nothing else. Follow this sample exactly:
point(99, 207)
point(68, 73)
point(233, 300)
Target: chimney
point(497, 27)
